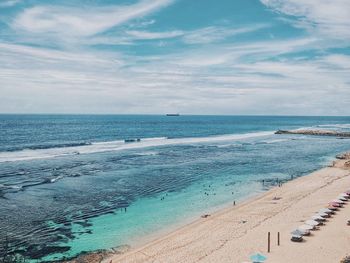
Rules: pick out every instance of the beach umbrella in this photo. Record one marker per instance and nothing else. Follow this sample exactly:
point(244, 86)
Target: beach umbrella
point(335, 204)
point(305, 232)
point(298, 232)
point(306, 227)
point(257, 258)
point(326, 210)
point(338, 201)
point(333, 208)
point(312, 223)
point(345, 195)
point(317, 218)
point(342, 198)
point(322, 214)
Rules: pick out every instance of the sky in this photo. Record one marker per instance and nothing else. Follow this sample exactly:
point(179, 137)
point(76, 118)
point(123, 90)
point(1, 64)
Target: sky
point(231, 57)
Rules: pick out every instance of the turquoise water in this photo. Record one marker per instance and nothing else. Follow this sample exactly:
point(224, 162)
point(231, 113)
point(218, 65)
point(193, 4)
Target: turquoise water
point(70, 184)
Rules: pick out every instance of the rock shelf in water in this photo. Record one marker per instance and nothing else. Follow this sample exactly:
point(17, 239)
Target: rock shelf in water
point(315, 132)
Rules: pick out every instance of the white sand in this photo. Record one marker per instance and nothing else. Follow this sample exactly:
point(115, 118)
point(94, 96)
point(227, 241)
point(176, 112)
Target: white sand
point(235, 233)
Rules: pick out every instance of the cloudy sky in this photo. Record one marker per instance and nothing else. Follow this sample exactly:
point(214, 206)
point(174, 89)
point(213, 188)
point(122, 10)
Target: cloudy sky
point(188, 56)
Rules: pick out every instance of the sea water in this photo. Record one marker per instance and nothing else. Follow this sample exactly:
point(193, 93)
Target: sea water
point(71, 184)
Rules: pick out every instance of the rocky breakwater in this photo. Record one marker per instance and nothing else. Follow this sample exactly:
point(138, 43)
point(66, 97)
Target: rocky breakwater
point(316, 133)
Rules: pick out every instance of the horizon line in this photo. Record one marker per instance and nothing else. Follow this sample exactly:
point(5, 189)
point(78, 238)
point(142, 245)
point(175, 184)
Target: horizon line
point(165, 114)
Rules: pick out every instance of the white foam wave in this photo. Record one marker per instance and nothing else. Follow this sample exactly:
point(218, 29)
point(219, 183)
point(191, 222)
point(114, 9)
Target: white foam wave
point(99, 147)
point(336, 126)
point(227, 145)
point(149, 153)
point(304, 128)
point(276, 141)
point(53, 180)
point(10, 186)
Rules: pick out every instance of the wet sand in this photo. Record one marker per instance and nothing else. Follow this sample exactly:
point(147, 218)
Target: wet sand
point(231, 235)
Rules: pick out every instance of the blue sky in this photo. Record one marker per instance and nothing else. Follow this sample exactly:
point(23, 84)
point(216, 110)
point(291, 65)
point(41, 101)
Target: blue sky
point(188, 56)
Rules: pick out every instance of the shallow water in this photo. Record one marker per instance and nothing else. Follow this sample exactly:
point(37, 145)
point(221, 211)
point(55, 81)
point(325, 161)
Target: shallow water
point(70, 183)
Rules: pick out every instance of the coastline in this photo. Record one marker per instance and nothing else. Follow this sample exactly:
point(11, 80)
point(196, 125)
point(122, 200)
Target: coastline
point(233, 233)
point(220, 236)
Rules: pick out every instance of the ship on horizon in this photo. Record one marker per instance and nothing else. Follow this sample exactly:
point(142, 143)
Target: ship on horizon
point(172, 114)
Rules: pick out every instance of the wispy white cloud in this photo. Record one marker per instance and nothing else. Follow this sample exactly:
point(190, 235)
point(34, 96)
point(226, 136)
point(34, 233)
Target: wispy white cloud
point(145, 35)
point(204, 35)
point(84, 82)
point(9, 3)
point(330, 18)
point(338, 61)
point(215, 33)
point(51, 55)
point(206, 73)
point(142, 24)
point(263, 50)
point(82, 21)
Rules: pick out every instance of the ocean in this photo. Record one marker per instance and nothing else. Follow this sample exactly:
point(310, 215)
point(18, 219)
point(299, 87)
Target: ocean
point(71, 183)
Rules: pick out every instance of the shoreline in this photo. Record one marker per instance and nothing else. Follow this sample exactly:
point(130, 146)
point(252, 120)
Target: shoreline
point(184, 244)
point(105, 255)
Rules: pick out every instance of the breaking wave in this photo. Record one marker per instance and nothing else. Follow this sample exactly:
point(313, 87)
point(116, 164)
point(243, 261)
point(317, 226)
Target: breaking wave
point(98, 147)
point(335, 126)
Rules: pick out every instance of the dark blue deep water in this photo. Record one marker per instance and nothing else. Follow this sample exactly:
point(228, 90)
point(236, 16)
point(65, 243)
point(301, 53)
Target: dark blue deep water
point(70, 183)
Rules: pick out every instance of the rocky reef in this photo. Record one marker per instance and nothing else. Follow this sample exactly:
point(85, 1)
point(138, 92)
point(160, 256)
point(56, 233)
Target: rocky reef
point(97, 256)
point(343, 156)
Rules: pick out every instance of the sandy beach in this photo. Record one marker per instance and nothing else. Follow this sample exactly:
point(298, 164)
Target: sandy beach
point(233, 234)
